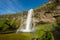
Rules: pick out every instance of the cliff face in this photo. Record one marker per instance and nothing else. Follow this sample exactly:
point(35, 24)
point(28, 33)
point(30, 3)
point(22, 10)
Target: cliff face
point(46, 12)
point(42, 14)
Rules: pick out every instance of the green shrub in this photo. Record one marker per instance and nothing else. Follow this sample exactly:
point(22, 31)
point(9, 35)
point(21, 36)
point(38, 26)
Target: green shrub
point(50, 6)
point(48, 36)
point(5, 27)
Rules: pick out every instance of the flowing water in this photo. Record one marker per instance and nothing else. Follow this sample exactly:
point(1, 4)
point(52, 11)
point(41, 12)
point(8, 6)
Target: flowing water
point(28, 27)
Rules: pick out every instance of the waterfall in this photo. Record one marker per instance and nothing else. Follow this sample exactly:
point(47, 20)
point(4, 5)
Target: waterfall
point(28, 26)
point(29, 19)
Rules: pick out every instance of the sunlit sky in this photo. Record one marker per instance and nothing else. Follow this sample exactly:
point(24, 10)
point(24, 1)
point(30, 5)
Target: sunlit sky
point(13, 6)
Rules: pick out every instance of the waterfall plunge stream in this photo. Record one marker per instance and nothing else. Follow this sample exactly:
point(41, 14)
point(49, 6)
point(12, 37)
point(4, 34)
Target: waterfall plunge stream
point(28, 27)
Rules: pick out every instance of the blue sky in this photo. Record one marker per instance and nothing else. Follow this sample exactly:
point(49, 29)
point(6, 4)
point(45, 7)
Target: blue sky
point(13, 6)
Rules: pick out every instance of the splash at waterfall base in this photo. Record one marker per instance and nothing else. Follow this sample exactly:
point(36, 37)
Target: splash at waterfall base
point(28, 24)
point(26, 30)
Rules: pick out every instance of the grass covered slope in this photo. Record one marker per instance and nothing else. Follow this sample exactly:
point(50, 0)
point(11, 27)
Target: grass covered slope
point(40, 32)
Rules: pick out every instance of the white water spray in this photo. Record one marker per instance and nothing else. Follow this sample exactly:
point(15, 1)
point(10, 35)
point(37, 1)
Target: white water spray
point(28, 27)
